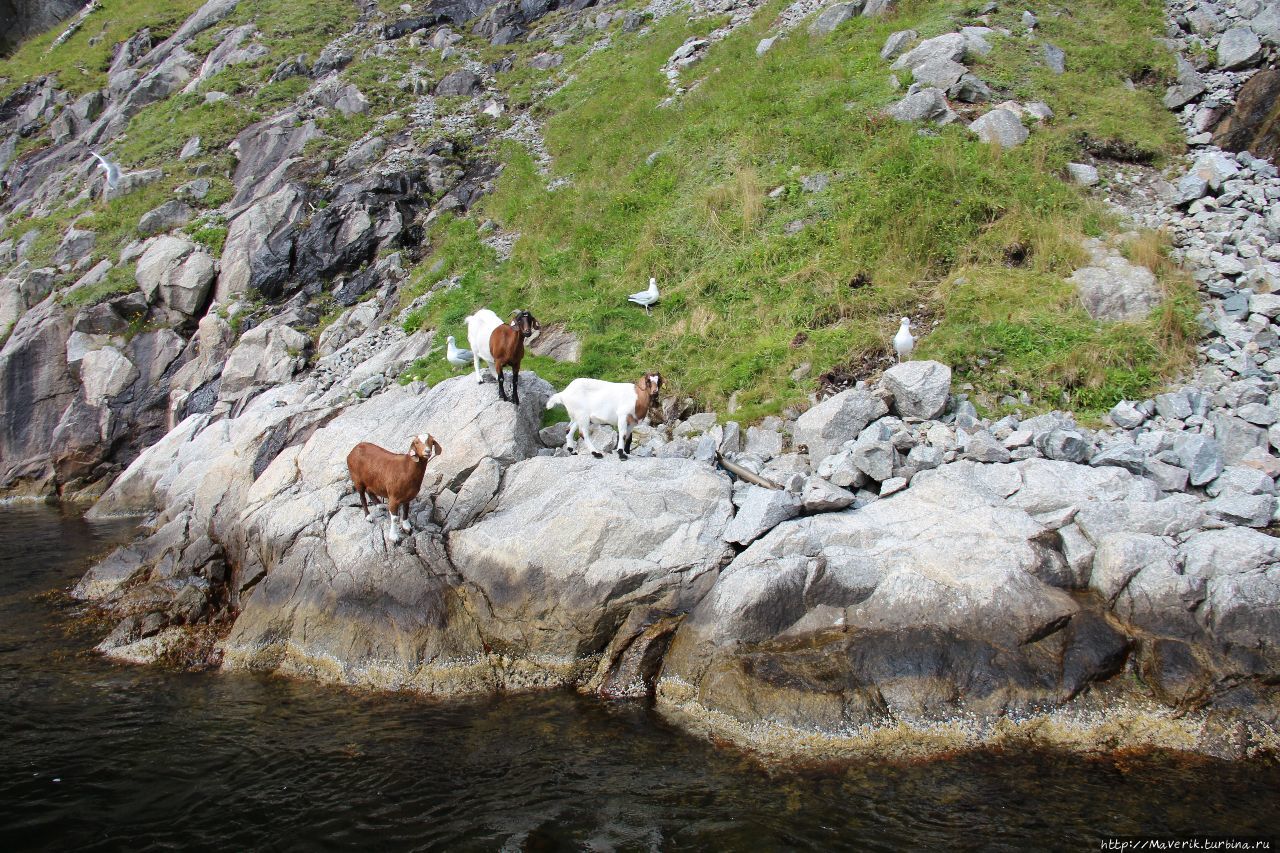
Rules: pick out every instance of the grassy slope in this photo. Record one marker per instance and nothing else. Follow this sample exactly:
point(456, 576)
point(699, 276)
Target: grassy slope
point(912, 224)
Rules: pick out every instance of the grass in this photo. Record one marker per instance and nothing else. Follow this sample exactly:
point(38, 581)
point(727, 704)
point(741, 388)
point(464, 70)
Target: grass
point(118, 280)
point(758, 276)
point(921, 224)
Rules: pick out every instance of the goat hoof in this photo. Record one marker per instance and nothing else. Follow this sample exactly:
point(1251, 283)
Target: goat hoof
point(622, 455)
point(597, 455)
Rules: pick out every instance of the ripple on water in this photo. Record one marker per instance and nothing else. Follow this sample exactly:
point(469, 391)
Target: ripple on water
point(151, 758)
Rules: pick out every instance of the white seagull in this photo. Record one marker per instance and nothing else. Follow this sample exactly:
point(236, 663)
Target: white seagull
point(646, 297)
point(903, 343)
point(457, 357)
point(112, 170)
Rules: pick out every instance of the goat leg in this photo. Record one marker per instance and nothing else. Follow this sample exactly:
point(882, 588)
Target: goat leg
point(515, 385)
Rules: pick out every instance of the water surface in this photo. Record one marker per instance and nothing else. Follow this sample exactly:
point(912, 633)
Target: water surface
point(99, 756)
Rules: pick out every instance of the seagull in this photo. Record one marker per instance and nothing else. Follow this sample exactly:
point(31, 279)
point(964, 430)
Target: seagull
point(646, 297)
point(457, 357)
point(903, 342)
point(112, 170)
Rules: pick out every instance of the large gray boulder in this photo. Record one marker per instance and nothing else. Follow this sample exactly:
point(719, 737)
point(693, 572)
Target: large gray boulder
point(925, 105)
point(920, 388)
point(266, 355)
point(836, 420)
point(178, 273)
point(1001, 127)
point(258, 251)
point(834, 16)
point(572, 546)
point(951, 46)
point(1112, 288)
point(866, 618)
point(1238, 47)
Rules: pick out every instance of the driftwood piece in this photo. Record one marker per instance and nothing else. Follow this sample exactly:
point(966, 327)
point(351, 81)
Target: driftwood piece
point(743, 474)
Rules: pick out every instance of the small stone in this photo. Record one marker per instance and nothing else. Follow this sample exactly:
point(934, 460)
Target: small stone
point(1082, 174)
point(1001, 127)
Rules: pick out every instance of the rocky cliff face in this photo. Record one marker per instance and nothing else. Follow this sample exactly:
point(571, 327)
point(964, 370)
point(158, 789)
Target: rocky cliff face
point(22, 18)
point(886, 571)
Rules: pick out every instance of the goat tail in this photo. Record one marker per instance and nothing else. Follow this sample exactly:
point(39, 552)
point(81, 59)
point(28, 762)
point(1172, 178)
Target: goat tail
point(554, 401)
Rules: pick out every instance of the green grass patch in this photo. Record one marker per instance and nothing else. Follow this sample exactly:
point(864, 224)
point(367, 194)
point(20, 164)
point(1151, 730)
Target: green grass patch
point(118, 280)
point(684, 193)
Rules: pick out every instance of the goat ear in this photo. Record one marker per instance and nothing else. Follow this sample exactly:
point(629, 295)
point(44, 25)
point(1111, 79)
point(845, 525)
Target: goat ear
point(436, 449)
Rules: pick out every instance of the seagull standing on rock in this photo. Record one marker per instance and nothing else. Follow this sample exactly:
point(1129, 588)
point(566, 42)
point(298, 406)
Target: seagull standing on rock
point(457, 357)
point(646, 297)
point(112, 170)
point(903, 343)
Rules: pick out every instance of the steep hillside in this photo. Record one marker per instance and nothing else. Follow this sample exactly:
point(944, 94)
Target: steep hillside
point(283, 162)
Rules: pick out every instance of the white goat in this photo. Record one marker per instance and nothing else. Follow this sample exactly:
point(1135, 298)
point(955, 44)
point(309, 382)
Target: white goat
point(480, 326)
point(595, 401)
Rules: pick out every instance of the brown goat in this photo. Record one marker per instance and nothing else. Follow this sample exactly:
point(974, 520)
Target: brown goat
point(506, 343)
point(394, 477)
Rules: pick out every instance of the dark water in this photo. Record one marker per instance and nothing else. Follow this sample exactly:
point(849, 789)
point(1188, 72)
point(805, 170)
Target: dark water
point(104, 757)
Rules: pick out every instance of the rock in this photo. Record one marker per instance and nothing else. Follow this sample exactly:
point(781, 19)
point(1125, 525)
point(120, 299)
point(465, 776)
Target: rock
point(1170, 478)
point(951, 46)
point(836, 420)
point(897, 42)
point(570, 525)
point(480, 487)
point(269, 354)
point(834, 16)
point(105, 373)
point(1201, 456)
point(1175, 406)
point(76, 245)
point(179, 273)
point(1127, 415)
point(1250, 125)
point(1121, 454)
point(1236, 437)
point(1237, 507)
point(983, 447)
point(1055, 59)
point(760, 510)
point(166, 217)
point(925, 105)
point(1000, 126)
point(877, 8)
point(893, 626)
point(938, 73)
point(822, 496)
point(259, 248)
point(1216, 168)
point(459, 84)
point(266, 150)
point(971, 90)
point(1190, 188)
point(546, 61)
point(874, 455)
point(1267, 24)
point(920, 389)
point(1064, 445)
point(1238, 47)
point(1243, 479)
point(1082, 174)
point(1112, 288)
point(37, 390)
point(1120, 556)
point(763, 46)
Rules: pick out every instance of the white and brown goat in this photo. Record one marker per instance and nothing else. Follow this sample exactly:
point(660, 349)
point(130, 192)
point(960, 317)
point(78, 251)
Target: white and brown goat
point(500, 345)
point(393, 477)
point(596, 401)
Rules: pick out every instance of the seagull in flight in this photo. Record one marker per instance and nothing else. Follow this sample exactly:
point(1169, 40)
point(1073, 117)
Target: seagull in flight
point(112, 170)
point(457, 357)
point(903, 343)
point(646, 297)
